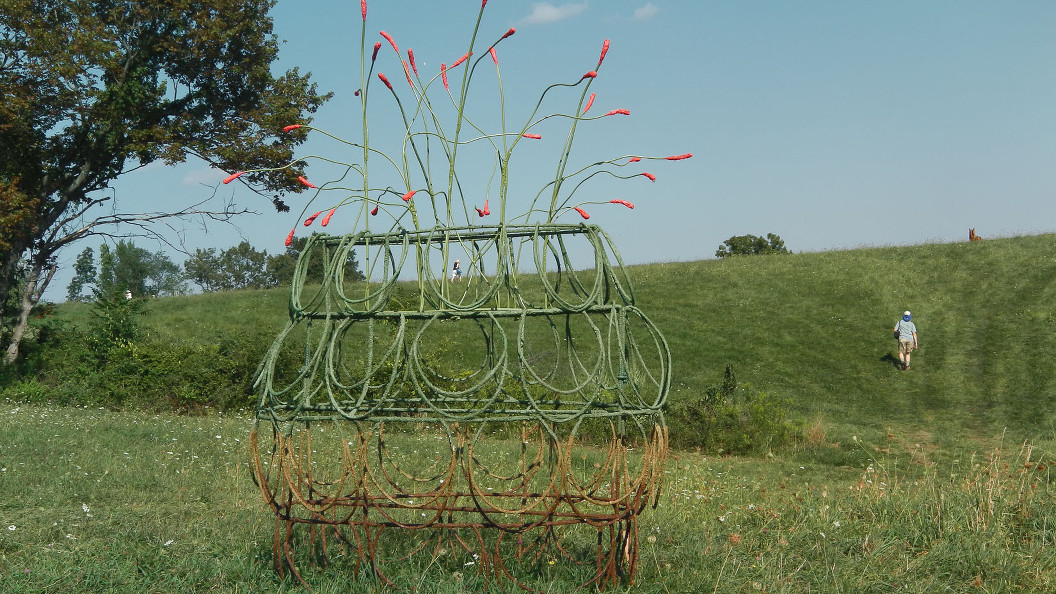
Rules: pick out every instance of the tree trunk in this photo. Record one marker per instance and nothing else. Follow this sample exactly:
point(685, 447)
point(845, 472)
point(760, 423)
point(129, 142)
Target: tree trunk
point(31, 295)
point(7, 276)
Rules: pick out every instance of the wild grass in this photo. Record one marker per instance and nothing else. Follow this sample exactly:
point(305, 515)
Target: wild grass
point(102, 501)
point(935, 479)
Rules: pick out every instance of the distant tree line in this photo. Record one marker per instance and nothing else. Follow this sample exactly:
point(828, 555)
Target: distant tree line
point(127, 267)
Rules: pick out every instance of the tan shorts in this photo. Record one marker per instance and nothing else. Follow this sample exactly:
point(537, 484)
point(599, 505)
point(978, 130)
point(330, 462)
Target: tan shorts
point(905, 347)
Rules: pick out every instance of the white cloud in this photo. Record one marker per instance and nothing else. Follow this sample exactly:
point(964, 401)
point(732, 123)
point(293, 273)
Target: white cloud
point(544, 13)
point(202, 176)
point(646, 12)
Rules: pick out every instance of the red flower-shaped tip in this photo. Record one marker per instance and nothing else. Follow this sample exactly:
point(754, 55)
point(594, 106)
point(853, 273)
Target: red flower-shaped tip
point(582, 212)
point(410, 58)
point(233, 177)
point(462, 59)
point(291, 127)
point(326, 219)
point(306, 182)
point(311, 219)
point(391, 41)
point(623, 202)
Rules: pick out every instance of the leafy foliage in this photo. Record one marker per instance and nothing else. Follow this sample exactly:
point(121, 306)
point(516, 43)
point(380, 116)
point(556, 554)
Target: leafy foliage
point(239, 267)
point(84, 274)
point(114, 323)
point(242, 267)
point(132, 268)
point(155, 372)
point(749, 245)
point(16, 222)
point(93, 85)
point(93, 90)
point(731, 419)
point(282, 266)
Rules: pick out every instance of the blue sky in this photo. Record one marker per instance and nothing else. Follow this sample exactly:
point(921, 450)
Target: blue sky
point(833, 124)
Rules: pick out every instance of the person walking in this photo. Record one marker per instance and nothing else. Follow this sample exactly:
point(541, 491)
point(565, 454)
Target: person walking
point(456, 272)
point(906, 333)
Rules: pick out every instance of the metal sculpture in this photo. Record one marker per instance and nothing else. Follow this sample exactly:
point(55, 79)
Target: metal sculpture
point(508, 418)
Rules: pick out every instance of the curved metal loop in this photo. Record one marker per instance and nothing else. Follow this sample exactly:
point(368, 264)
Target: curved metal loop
point(535, 396)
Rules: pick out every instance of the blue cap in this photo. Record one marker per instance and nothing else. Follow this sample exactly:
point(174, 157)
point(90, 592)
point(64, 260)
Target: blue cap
point(907, 316)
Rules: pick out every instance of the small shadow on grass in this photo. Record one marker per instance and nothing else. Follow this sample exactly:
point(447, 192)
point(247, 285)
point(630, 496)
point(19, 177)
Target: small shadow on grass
point(893, 360)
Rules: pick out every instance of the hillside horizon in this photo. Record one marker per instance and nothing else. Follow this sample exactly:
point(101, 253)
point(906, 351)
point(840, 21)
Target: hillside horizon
point(814, 328)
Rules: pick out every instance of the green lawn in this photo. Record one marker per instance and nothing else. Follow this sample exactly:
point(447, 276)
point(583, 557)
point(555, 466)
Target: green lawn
point(100, 501)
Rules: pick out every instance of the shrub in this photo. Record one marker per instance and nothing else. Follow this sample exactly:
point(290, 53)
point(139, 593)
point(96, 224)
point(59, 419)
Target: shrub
point(731, 419)
point(115, 323)
point(156, 372)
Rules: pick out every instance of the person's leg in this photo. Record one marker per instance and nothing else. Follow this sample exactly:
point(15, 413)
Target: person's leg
point(904, 349)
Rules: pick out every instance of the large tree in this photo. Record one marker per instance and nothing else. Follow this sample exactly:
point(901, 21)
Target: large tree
point(93, 89)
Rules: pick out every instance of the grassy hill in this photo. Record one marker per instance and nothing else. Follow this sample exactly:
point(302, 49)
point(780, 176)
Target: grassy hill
point(817, 328)
point(814, 328)
point(935, 479)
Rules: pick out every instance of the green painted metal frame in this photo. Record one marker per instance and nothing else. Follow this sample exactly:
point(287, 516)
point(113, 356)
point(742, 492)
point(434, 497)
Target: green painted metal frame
point(563, 359)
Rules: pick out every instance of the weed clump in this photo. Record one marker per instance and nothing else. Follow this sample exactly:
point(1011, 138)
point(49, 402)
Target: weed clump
point(731, 419)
